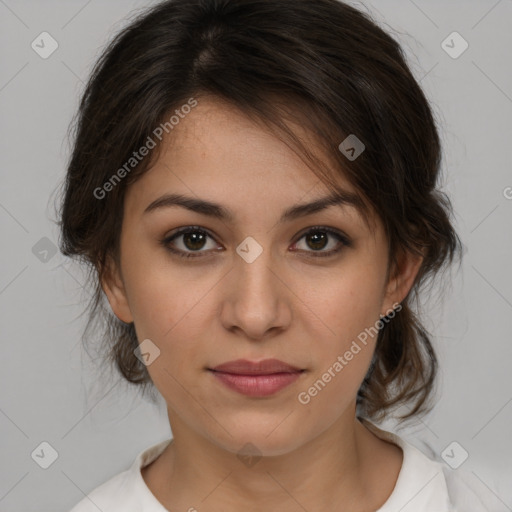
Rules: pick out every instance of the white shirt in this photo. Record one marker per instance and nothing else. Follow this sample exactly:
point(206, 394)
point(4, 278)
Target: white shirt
point(423, 485)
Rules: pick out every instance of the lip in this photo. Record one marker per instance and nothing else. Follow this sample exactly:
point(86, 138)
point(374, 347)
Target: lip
point(256, 378)
point(263, 367)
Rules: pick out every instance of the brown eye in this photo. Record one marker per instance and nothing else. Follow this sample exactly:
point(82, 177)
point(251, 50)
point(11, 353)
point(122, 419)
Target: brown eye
point(318, 238)
point(191, 240)
point(194, 241)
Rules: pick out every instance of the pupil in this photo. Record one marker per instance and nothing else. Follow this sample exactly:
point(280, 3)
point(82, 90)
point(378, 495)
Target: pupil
point(316, 239)
point(196, 239)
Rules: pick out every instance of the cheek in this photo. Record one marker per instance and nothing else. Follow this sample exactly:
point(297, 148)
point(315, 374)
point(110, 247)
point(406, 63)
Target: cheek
point(169, 307)
point(333, 388)
point(175, 309)
point(160, 291)
point(345, 338)
point(343, 356)
point(347, 306)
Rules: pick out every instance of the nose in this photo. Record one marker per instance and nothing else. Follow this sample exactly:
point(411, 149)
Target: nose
point(256, 300)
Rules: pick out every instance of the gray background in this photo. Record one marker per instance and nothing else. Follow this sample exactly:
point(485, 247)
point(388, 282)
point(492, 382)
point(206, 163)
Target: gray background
point(47, 380)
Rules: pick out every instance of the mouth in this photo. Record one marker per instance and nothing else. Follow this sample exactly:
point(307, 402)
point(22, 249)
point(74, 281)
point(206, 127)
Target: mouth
point(256, 379)
point(264, 367)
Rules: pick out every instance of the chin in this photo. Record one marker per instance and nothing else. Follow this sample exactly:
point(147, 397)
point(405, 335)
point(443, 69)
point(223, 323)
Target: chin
point(263, 438)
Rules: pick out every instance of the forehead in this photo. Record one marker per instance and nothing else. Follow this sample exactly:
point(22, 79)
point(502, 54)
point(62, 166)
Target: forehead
point(216, 135)
point(216, 152)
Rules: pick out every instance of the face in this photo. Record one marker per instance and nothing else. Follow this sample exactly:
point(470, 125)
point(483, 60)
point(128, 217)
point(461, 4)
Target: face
point(251, 285)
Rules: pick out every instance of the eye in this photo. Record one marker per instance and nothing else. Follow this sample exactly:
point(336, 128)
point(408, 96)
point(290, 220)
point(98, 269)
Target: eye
point(194, 238)
point(317, 238)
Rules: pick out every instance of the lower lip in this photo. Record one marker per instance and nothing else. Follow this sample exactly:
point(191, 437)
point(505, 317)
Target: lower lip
point(257, 385)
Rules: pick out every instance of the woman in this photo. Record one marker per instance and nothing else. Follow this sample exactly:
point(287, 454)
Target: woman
point(254, 187)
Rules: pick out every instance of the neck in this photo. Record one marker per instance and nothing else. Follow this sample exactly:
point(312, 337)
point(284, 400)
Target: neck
point(345, 465)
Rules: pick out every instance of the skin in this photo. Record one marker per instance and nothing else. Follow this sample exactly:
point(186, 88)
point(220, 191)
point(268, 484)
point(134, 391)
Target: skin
point(303, 309)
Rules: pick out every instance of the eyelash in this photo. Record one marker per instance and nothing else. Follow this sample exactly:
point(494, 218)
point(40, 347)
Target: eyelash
point(345, 242)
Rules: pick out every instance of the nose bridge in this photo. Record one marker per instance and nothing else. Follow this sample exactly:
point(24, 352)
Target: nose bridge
point(254, 273)
point(255, 300)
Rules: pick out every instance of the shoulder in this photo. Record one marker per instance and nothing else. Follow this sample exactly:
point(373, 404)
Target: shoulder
point(462, 489)
point(426, 484)
point(126, 491)
point(112, 496)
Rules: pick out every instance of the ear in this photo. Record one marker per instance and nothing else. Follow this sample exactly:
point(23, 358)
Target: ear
point(113, 286)
point(402, 276)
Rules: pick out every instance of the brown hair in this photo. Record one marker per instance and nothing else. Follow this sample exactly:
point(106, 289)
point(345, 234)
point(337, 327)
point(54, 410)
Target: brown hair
point(322, 64)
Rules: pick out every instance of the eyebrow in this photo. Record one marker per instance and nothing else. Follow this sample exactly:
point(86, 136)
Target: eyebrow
point(204, 207)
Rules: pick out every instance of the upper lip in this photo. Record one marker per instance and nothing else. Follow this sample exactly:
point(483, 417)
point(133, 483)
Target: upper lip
point(264, 367)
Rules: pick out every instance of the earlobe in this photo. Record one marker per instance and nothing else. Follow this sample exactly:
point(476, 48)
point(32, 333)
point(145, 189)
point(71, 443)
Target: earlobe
point(113, 286)
point(402, 279)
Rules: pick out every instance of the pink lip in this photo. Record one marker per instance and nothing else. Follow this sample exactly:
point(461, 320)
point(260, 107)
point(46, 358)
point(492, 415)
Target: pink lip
point(262, 378)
